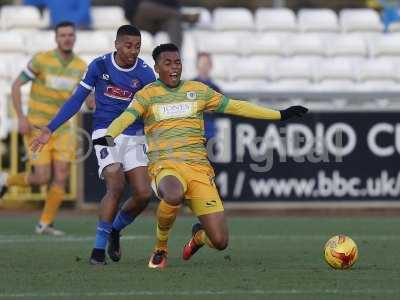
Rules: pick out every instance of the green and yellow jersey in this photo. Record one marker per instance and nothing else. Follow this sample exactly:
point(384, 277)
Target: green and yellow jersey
point(173, 118)
point(53, 81)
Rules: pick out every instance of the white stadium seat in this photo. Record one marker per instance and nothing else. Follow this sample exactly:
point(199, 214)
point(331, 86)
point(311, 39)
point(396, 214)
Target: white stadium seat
point(360, 20)
point(292, 75)
point(233, 19)
point(275, 19)
point(107, 17)
point(386, 47)
point(334, 75)
point(318, 20)
point(20, 17)
point(205, 20)
point(305, 46)
point(335, 70)
point(218, 42)
point(348, 47)
point(246, 85)
point(252, 69)
point(223, 67)
point(11, 42)
point(262, 44)
point(42, 41)
point(147, 43)
point(373, 70)
point(161, 37)
point(92, 43)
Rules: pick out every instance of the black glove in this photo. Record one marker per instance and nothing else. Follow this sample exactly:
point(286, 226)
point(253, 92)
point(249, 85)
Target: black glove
point(293, 111)
point(104, 141)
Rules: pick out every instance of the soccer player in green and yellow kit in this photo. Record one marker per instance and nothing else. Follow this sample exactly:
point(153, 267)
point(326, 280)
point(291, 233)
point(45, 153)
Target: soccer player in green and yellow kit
point(172, 110)
point(54, 75)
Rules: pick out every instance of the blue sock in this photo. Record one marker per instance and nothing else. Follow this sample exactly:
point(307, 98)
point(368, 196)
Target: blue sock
point(102, 233)
point(122, 220)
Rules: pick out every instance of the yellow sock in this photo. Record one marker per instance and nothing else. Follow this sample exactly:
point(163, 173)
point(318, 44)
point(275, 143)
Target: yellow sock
point(166, 215)
point(201, 238)
point(20, 179)
point(53, 201)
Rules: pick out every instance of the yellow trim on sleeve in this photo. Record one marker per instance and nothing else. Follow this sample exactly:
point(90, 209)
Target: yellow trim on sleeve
point(121, 123)
point(250, 110)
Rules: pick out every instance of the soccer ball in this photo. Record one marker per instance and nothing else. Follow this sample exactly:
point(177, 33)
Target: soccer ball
point(340, 252)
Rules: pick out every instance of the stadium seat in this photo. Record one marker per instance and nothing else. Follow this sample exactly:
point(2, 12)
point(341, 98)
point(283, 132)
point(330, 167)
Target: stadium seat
point(232, 19)
point(386, 47)
point(305, 46)
point(242, 86)
point(147, 43)
point(318, 20)
point(42, 41)
point(107, 17)
point(20, 17)
point(275, 19)
point(17, 62)
point(205, 20)
point(4, 124)
point(292, 75)
point(382, 71)
point(335, 70)
point(265, 44)
point(251, 69)
point(93, 43)
point(4, 71)
point(161, 38)
point(334, 75)
point(360, 20)
point(218, 42)
point(348, 47)
point(11, 42)
point(223, 66)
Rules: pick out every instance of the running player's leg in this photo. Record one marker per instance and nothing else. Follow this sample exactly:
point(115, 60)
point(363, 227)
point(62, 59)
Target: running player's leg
point(171, 190)
point(140, 183)
point(54, 198)
point(115, 182)
point(41, 171)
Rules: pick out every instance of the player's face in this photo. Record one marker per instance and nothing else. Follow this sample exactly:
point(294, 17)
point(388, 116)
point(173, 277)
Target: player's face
point(128, 48)
point(65, 38)
point(169, 68)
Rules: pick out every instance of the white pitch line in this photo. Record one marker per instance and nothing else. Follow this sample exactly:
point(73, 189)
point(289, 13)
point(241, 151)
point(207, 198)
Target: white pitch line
point(202, 293)
point(6, 239)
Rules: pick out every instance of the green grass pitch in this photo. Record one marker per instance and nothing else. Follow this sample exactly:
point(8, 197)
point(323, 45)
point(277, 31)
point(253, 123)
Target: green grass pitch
point(268, 258)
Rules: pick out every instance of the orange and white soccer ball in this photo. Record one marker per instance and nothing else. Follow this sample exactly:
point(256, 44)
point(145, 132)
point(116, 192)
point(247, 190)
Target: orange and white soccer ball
point(340, 252)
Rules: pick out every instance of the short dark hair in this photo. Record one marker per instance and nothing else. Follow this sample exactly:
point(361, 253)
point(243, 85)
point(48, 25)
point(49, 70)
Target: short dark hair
point(164, 48)
point(64, 24)
point(128, 30)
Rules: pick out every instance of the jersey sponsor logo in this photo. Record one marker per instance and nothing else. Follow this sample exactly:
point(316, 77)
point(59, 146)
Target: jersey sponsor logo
point(191, 95)
point(118, 93)
point(135, 83)
point(175, 110)
point(105, 77)
point(60, 83)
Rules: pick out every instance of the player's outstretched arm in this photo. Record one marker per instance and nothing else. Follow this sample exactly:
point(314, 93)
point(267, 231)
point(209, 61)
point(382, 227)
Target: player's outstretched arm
point(67, 111)
point(250, 110)
point(116, 128)
point(70, 108)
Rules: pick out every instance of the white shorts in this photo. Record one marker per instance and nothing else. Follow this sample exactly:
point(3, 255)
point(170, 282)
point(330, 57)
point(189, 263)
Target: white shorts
point(130, 151)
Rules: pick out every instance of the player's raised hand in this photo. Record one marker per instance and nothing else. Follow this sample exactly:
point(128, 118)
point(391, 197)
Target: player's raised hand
point(293, 111)
point(104, 141)
point(42, 139)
